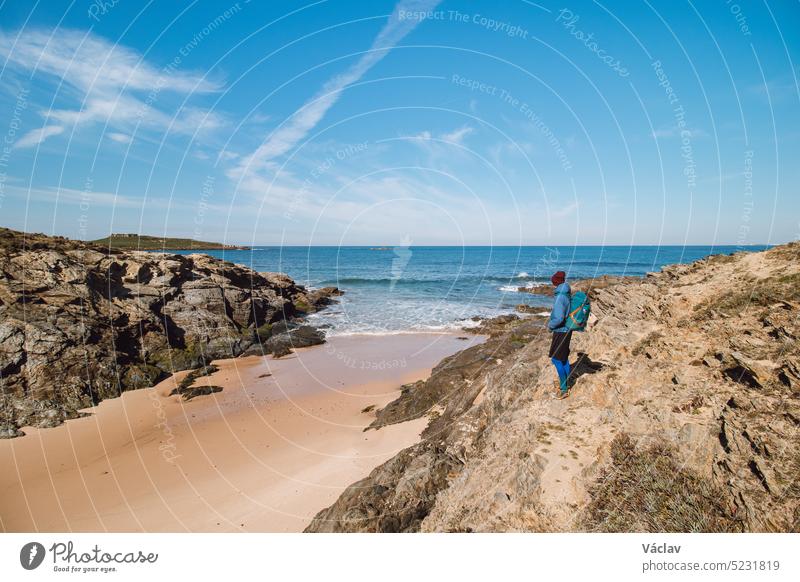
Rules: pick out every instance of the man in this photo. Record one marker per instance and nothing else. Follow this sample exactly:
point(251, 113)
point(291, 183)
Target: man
point(559, 347)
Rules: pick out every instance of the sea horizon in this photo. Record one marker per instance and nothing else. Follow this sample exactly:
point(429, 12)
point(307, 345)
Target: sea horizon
point(412, 289)
point(378, 246)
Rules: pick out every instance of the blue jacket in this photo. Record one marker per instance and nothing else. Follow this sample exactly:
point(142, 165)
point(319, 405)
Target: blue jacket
point(558, 316)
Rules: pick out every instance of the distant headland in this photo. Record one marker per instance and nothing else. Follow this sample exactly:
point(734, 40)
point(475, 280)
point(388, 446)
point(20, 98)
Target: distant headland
point(134, 241)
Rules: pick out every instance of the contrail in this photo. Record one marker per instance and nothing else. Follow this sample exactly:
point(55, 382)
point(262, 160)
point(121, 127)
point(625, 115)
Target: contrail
point(311, 113)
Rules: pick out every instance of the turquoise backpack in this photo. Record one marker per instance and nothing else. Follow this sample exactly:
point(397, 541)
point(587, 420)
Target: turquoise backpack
point(579, 310)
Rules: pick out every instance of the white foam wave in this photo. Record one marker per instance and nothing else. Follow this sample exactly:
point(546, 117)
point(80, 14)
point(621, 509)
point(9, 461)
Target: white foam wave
point(416, 329)
point(408, 321)
point(371, 314)
point(516, 288)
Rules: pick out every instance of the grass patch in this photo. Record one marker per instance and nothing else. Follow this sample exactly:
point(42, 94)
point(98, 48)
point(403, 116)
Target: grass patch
point(759, 293)
point(153, 243)
point(649, 341)
point(264, 332)
point(721, 259)
point(646, 490)
point(789, 252)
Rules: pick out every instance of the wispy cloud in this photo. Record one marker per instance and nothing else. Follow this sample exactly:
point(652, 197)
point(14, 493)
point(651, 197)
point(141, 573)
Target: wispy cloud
point(777, 89)
point(106, 81)
point(442, 150)
point(298, 126)
point(119, 137)
point(259, 118)
point(97, 199)
point(564, 211)
point(72, 197)
point(457, 136)
point(36, 136)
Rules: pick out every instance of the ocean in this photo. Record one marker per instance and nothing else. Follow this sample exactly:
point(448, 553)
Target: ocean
point(426, 289)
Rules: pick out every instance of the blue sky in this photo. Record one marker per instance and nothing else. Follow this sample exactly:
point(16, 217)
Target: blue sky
point(426, 122)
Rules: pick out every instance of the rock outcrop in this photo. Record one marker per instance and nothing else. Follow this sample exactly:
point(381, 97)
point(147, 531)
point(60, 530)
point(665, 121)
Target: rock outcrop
point(684, 415)
point(589, 286)
point(80, 323)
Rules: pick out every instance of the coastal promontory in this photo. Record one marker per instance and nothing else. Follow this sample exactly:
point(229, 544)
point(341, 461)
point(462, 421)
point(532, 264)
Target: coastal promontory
point(80, 322)
point(683, 416)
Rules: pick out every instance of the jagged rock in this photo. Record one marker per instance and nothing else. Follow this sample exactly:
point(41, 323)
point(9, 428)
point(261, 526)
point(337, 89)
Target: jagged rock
point(395, 497)
point(593, 286)
point(80, 323)
point(450, 387)
point(204, 390)
point(317, 299)
point(494, 326)
point(546, 290)
point(301, 337)
point(694, 368)
point(744, 370)
point(588, 286)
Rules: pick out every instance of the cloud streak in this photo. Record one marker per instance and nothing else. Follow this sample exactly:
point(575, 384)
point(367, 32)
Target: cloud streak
point(298, 126)
point(103, 79)
point(36, 136)
point(457, 136)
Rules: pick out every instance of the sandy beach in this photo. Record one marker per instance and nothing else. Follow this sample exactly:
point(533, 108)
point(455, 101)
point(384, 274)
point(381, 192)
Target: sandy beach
point(279, 443)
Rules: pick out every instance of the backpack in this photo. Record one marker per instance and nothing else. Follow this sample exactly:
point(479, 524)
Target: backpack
point(579, 310)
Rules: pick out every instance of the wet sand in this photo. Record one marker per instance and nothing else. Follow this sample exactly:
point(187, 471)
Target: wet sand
point(279, 443)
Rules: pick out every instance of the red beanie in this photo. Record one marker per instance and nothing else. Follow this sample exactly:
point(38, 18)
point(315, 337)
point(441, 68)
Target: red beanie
point(558, 278)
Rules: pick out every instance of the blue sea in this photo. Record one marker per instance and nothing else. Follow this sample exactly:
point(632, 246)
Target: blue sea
point(407, 289)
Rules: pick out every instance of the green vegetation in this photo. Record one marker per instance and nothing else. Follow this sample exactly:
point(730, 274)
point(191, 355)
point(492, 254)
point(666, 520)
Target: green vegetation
point(302, 306)
point(154, 243)
point(172, 360)
point(647, 490)
point(264, 332)
point(650, 341)
point(756, 294)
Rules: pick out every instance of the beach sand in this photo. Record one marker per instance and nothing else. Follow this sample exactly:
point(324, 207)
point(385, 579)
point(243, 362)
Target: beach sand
point(279, 443)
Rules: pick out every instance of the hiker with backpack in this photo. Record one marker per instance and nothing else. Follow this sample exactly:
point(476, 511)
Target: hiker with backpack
point(570, 313)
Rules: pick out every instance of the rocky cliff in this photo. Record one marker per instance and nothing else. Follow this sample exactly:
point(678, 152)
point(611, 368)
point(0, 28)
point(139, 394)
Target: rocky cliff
point(80, 323)
point(684, 415)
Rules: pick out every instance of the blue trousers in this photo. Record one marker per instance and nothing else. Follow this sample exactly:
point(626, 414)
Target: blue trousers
point(563, 372)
